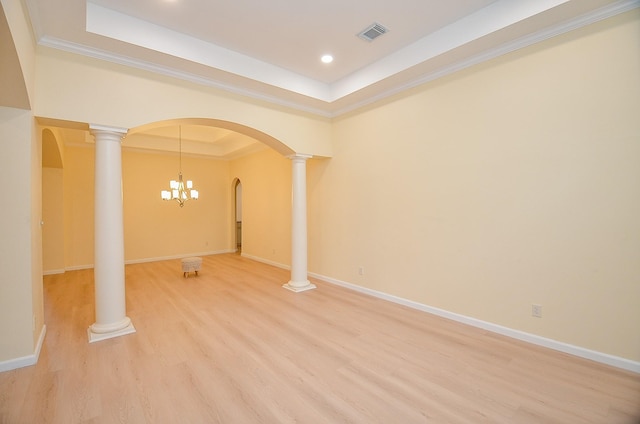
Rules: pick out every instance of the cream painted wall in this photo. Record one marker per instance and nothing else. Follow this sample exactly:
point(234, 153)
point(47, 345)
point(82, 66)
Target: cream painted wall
point(78, 195)
point(53, 218)
point(21, 301)
point(266, 205)
point(511, 183)
point(507, 184)
point(35, 217)
point(155, 228)
point(23, 40)
point(128, 98)
point(17, 263)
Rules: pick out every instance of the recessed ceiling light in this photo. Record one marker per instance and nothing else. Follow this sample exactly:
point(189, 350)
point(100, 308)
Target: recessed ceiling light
point(327, 58)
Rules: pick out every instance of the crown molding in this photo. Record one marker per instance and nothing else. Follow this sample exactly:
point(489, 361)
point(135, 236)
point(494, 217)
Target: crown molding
point(79, 49)
point(520, 43)
point(282, 97)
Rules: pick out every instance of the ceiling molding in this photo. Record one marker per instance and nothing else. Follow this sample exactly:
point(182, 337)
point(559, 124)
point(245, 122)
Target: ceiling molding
point(400, 71)
point(520, 43)
point(155, 68)
point(118, 26)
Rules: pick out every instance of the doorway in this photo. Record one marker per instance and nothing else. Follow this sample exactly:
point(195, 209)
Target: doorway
point(238, 215)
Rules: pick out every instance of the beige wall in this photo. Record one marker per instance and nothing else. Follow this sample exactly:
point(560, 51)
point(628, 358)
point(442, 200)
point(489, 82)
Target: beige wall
point(53, 218)
point(153, 229)
point(512, 183)
point(127, 98)
point(35, 219)
point(78, 207)
point(266, 205)
point(22, 37)
point(21, 302)
point(17, 260)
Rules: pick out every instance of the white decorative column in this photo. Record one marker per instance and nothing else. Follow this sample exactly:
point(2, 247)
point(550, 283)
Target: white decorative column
point(299, 281)
point(111, 318)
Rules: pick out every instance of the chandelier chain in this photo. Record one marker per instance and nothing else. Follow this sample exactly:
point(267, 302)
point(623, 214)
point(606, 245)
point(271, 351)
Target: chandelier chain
point(178, 190)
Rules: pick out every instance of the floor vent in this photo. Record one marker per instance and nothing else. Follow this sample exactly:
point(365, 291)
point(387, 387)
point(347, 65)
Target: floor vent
point(372, 32)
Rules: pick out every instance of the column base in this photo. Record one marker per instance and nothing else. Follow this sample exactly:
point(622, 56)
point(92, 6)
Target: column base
point(299, 286)
point(95, 336)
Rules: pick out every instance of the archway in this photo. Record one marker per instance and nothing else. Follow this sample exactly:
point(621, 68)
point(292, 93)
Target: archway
point(147, 192)
point(299, 281)
point(238, 214)
point(53, 255)
point(253, 133)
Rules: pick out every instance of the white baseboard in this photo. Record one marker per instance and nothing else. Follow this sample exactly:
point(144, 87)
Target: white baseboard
point(53, 272)
point(142, 260)
point(28, 360)
point(78, 267)
point(581, 352)
point(265, 261)
point(168, 258)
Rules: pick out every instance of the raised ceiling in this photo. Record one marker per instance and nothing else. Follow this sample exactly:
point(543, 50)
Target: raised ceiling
point(271, 49)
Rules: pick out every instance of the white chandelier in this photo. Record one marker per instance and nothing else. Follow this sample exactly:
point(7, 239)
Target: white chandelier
point(180, 191)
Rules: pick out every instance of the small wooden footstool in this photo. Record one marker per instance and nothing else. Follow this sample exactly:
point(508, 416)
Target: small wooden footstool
point(191, 264)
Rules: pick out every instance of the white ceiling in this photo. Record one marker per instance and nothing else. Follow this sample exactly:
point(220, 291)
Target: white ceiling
point(271, 49)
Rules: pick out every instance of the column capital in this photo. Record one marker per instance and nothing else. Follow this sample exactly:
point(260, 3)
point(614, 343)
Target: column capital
point(96, 129)
point(299, 156)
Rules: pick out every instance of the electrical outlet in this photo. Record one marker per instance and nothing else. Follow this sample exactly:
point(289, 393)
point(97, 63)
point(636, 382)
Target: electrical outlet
point(536, 311)
point(361, 270)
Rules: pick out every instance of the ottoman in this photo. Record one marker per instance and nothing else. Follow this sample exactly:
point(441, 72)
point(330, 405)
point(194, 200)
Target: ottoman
point(191, 264)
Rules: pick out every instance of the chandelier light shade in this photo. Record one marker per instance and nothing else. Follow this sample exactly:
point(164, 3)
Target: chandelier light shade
point(179, 190)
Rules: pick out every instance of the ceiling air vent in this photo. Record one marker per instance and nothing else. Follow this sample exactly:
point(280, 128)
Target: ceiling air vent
point(372, 32)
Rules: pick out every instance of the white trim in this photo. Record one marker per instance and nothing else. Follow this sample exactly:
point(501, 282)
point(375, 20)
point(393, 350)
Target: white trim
point(96, 337)
point(297, 289)
point(53, 271)
point(500, 50)
point(325, 109)
point(168, 258)
point(78, 267)
point(581, 352)
point(25, 361)
point(83, 50)
point(108, 128)
point(138, 32)
point(266, 261)
point(157, 259)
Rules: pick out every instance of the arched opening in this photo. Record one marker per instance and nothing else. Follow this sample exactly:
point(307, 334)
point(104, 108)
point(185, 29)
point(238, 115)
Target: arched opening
point(209, 152)
point(232, 134)
point(53, 259)
point(240, 181)
point(238, 215)
point(155, 229)
point(214, 152)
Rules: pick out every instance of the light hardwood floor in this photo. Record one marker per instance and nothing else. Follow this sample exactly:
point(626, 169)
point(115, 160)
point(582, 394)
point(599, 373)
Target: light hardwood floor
point(233, 346)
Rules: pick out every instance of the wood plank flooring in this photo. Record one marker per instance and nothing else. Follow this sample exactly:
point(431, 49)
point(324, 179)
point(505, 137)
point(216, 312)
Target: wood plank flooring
point(233, 346)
